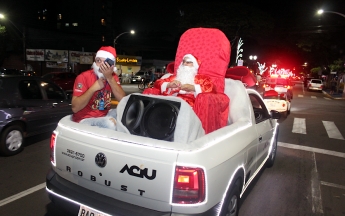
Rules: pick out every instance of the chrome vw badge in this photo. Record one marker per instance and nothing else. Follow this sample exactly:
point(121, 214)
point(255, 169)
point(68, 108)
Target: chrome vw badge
point(101, 160)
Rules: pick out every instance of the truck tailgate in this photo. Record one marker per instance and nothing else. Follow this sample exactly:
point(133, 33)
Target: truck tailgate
point(116, 167)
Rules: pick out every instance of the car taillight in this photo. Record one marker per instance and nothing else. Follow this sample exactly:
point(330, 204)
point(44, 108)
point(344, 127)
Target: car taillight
point(189, 185)
point(52, 148)
point(321, 86)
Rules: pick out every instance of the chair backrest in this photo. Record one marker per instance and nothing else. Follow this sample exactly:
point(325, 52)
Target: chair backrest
point(242, 74)
point(211, 47)
point(170, 67)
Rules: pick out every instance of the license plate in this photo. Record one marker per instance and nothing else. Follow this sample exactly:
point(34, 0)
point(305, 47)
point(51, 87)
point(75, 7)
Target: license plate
point(85, 211)
point(272, 104)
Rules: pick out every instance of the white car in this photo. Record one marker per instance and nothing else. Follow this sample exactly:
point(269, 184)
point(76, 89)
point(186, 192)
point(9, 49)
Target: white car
point(315, 84)
point(280, 85)
point(277, 102)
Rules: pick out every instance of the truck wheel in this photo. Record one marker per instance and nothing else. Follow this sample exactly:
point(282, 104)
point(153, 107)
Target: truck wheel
point(11, 141)
point(232, 201)
point(272, 156)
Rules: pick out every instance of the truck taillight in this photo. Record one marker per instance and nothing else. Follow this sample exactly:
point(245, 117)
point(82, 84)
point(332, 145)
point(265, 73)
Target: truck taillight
point(52, 148)
point(189, 185)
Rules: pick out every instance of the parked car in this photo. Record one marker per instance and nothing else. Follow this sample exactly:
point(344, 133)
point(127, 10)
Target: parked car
point(63, 79)
point(28, 106)
point(140, 75)
point(9, 72)
point(315, 84)
point(27, 73)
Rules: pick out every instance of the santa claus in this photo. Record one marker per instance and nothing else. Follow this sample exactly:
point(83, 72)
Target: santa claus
point(187, 83)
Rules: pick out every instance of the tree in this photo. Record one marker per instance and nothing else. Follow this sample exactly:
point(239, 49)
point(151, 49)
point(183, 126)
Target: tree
point(337, 66)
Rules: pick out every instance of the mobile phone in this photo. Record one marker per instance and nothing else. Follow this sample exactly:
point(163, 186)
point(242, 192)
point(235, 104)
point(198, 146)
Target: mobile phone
point(109, 61)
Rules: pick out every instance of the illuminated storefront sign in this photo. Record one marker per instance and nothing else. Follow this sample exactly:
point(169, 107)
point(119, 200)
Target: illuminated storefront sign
point(128, 60)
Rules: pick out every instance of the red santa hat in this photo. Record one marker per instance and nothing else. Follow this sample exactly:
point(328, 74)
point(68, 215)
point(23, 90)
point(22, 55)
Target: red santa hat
point(190, 57)
point(107, 52)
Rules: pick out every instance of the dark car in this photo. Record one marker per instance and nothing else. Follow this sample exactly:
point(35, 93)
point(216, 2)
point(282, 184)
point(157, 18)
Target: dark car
point(63, 79)
point(140, 75)
point(9, 72)
point(28, 106)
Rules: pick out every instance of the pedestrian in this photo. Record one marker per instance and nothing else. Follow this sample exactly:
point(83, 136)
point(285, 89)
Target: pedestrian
point(93, 89)
point(333, 86)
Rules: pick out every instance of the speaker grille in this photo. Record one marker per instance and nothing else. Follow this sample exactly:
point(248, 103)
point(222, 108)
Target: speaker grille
point(159, 121)
point(151, 117)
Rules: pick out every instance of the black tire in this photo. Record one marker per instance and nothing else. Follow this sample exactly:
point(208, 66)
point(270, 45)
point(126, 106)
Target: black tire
point(232, 201)
point(272, 156)
point(12, 140)
point(141, 86)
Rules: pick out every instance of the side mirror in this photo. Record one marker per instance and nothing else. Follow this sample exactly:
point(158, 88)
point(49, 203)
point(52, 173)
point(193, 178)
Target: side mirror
point(275, 114)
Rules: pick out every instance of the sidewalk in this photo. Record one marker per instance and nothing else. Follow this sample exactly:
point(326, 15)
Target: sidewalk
point(338, 95)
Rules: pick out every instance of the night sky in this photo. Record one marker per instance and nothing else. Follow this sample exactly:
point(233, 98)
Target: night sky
point(289, 16)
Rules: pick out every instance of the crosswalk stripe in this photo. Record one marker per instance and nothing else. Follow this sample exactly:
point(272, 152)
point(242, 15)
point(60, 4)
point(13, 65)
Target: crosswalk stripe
point(332, 130)
point(314, 97)
point(300, 95)
point(299, 126)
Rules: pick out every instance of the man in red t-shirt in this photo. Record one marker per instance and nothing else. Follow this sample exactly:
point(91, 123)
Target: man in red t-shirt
point(91, 101)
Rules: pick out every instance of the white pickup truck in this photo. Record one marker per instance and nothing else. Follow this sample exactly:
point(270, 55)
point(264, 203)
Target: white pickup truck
point(166, 157)
point(98, 171)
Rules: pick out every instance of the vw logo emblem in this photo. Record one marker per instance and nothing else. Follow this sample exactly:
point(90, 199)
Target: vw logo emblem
point(101, 160)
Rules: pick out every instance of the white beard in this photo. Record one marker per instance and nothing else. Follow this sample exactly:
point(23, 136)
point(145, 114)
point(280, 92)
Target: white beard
point(96, 70)
point(186, 74)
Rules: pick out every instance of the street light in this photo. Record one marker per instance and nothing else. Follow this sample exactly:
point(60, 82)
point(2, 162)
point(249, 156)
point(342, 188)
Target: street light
point(132, 32)
point(322, 11)
point(253, 58)
point(23, 34)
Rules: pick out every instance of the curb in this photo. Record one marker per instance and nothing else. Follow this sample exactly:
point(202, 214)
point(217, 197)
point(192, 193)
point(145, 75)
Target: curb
point(335, 98)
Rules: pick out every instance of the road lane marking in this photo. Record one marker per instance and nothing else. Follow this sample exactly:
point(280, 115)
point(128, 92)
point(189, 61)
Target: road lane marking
point(281, 144)
point(22, 194)
point(314, 97)
point(300, 95)
point(299, 126)
point(332, 185)
point(311, 149)
point(315, 189)
point(332, 130)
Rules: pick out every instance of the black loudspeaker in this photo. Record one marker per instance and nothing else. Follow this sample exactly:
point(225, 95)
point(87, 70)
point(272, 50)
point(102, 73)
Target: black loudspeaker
point(151, 117)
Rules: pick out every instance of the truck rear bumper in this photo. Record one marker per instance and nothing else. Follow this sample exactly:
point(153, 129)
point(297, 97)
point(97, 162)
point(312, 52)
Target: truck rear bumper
point(70, 196)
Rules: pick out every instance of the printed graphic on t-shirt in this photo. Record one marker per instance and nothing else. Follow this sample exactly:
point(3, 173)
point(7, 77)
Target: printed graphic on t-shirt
point(102, 96)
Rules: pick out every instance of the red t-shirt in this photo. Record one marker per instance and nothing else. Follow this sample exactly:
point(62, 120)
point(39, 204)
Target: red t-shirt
point(81, 84)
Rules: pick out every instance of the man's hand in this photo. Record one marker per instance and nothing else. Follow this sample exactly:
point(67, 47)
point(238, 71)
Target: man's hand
point(98, 85)
point(106, 70)
point(174, 84)
point(188, 87)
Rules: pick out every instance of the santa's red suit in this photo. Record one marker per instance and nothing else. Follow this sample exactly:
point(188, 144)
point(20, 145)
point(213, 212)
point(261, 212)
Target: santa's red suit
point(202, 83)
